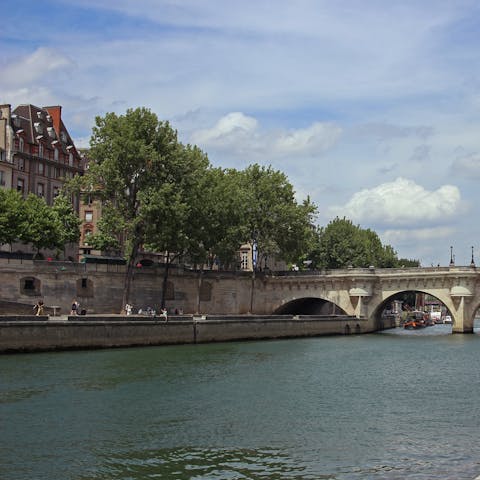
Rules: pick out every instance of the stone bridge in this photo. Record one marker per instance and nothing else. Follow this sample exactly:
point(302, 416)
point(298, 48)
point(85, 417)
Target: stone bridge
point(367, 292)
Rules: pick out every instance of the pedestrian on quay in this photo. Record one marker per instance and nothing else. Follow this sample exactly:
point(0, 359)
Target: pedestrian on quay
point(75, 307)
point(39, 307)
point(165, 314)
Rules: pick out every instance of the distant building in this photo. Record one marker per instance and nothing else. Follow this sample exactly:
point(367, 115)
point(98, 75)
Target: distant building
point(37, 154)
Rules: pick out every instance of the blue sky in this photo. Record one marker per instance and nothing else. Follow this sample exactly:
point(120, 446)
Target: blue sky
point(370, 107)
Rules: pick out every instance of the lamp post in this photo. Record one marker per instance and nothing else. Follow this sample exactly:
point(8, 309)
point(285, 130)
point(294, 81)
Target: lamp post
point(452, 261)
point(472, 263)
point(254, 267)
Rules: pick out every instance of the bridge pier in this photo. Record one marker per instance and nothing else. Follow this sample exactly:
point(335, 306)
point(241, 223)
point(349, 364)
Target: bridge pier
point(462, 321)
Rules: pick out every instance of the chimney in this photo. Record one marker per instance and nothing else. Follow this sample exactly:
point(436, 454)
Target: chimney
point(56, 114)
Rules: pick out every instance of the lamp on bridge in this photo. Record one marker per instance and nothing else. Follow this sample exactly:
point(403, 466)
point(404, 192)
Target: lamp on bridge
point(472, 263)
point(452, 258)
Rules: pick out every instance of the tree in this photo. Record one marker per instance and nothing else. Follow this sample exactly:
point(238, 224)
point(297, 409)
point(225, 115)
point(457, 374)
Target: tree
point(11, 216)
point(176, 213)
point(149, 186)
point(280, 226)
point(133, 154)
point(39, 224)
point(342, 244)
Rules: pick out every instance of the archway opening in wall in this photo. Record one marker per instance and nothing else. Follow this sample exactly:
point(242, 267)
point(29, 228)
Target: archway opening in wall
point(309, 306)
point(414, 310)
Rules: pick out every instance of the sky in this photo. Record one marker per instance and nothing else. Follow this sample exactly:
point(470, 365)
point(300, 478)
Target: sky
point(370, 107)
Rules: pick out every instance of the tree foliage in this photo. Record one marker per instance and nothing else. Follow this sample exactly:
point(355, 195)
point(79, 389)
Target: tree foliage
point(32, 221)
point(11, 216)
point(341, 244)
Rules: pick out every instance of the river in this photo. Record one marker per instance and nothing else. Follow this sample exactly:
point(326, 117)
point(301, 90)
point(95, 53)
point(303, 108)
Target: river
point(393, 405)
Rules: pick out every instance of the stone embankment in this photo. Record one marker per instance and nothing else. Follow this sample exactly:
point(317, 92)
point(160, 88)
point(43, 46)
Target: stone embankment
point(43, 333)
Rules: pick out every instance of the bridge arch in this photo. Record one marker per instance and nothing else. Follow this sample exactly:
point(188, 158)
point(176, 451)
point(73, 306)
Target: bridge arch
point(309, 306)
point(383, 305)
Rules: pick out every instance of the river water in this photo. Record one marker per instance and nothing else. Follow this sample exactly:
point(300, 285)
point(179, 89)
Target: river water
point(394, 405)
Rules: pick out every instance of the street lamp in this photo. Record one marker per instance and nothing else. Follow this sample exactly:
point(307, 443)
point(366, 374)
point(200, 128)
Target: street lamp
point(452, 261)
point(472, 263)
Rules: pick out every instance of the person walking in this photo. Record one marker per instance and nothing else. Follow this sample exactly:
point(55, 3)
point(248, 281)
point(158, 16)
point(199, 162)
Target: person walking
point(75, 305)
point(40, 308)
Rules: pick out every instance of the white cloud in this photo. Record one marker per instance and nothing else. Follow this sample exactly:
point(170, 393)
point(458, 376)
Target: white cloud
point(38, 65)
point(416, 234)
point(229, 130)
point(239, 134)
point(402, 203)
point(312, 140)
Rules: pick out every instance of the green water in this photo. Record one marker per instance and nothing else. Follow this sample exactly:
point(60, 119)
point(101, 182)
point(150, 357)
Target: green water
point(385, 406)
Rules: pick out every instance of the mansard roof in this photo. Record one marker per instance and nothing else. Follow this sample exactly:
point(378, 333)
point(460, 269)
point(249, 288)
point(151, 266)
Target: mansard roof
point(43, 125)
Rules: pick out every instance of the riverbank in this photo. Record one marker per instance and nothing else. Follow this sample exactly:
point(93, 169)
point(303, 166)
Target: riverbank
point(31, 334)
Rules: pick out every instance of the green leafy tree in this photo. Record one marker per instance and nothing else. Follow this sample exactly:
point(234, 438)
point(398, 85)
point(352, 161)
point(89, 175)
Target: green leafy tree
point(150, 187)
point(39, 225)
point(341, 244)
point(224, 227)
point(11, 216)
point(175, 211)
point(280, 226)
point(133, 154)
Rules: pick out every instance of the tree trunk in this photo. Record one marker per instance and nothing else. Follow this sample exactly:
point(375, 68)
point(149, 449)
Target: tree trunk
point(129, 273)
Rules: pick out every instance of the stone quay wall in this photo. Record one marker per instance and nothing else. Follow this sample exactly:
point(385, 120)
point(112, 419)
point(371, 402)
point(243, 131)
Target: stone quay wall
point(99, 288)
point(29, 333)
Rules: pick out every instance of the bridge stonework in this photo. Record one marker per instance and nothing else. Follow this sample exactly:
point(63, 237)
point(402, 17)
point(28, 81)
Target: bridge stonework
point(360, 292)
point(367, 292)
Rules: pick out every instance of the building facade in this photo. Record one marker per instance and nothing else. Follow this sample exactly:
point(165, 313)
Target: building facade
point(37, 154)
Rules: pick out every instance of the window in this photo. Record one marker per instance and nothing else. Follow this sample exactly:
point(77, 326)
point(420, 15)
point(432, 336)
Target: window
point(41, 168)
point(21, 163)
point(30, 286)
point(20, 185)
point(244, 261)
point(55, 191)
point(89, 216)
point(40, 189)
point(70, 159)
point(55, 154)
point(2, 178)
point(40, 150)
point(21, 144)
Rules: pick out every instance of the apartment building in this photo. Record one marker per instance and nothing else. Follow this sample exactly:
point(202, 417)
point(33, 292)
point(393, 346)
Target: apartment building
point(37, 154)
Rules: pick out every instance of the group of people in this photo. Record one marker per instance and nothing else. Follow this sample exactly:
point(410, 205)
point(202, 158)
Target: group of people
point(147, 311)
